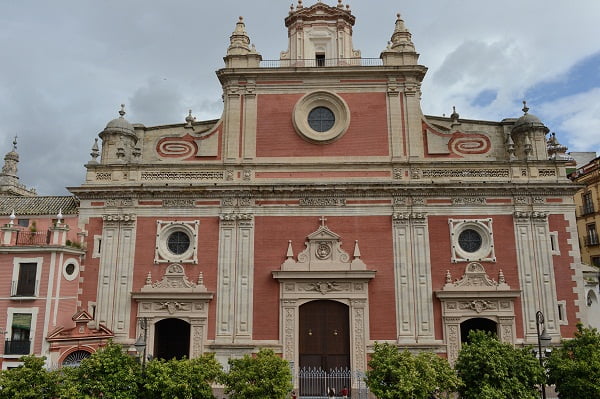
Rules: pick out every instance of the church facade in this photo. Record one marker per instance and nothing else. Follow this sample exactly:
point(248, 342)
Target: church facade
point(324, 212)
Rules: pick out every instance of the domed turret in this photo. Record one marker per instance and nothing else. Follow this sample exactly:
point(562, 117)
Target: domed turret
point(529, 136)
point(118, 139)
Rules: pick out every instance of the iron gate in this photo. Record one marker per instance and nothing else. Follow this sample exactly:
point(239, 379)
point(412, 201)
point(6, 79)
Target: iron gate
point(315, 383)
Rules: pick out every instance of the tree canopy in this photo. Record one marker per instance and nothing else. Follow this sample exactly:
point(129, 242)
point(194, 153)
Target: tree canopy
point(574, 367)
point(29, 381)
point(490, 369)
point(265, 375)
point(398, 374)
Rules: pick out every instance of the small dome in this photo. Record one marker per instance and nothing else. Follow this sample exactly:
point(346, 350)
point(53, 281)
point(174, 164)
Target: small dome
point(120, 124)
point(528, 120)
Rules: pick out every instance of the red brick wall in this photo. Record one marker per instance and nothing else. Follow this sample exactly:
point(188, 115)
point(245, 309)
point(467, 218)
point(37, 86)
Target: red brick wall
point(563, 273)
point(367, 134)
point(506, 259)
point(375, 241)
point(208, 237)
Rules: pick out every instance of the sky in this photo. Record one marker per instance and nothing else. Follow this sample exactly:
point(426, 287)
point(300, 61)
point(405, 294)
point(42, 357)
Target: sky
point(67, 65)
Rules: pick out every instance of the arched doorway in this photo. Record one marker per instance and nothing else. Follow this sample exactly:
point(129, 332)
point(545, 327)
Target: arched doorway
point(171, 339)
point(474, 324)
point(324, 347)
point(324, 335)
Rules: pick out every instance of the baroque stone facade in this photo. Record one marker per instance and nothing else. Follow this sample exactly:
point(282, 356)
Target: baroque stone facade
point(324, 211)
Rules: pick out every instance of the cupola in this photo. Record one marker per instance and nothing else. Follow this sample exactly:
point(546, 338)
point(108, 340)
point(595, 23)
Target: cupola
point(118, 139)
point(320, 35)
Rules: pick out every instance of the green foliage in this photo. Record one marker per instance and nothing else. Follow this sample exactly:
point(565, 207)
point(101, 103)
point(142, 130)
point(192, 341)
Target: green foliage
point(29, 381)
point(110, 372)
point(574, 367)
point(490, 369)
point(398, 374)
point(264, 376)
point(181, 379)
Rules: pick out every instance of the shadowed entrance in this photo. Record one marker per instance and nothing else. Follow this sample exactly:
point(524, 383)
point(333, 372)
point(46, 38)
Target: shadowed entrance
point(475, 324)
point(171, 339)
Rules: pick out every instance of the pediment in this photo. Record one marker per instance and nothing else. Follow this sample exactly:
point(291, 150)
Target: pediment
point(323, 252)
point(476, 279)
point(174, 280)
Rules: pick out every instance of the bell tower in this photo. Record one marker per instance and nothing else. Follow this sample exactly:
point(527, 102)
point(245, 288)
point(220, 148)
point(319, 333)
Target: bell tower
point(320, 35)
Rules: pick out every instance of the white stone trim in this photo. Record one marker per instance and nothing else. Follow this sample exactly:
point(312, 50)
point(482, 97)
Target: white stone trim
point(483, 227)
point(329, 100)
point(164, 229)
point(17, 267)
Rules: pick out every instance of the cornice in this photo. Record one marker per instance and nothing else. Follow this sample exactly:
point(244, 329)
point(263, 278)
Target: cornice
point(333, 189)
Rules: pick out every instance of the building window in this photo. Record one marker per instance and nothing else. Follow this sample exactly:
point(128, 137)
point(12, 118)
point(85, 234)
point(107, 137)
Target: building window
point(588, 204)
point(178, 242)
point(562, 313)
point(321, 119)
point(70, 269)
point(595, 260)
point(20, 336)
point(471, 240)
point(25, 284)
point(554, 243)
point(591, 237)
point(74, 359)
point(320, 59)
point(23, 222)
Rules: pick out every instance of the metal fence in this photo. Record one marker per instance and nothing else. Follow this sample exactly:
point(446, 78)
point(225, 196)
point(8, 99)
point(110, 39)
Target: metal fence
point(315, 383)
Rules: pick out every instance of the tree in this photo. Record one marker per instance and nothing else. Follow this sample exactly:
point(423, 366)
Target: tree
point(264, 376)
point(181, 379)
point(491, 369)
point(29, 381)
point(574, 367)
point(398, 374)
point(109, 373)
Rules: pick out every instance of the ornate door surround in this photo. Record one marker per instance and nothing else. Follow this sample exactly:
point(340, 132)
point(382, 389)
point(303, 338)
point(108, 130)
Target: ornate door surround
point(175, 297)
point(475, 295)
point(324, 272)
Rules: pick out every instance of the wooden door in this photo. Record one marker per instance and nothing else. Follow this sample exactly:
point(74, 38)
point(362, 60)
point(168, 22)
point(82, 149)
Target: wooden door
point(324, 335)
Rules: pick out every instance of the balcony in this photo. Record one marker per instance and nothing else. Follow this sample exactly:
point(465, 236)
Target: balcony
point(25, 238)
point(17, 347)
point(321, 62)
point(586, 210)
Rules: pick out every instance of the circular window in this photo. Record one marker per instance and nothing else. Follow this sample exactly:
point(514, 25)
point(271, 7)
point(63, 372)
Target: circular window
point(70, 269)
point(470, 240)
point(178, 242)
point(321, 119)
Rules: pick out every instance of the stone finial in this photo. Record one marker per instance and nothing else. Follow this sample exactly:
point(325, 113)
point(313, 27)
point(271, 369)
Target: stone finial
point(59, 216)
point(340, 5)
point(290, 251)
point(122, 111)
point(149, 279)
point(448, 277)
point(557, 151)
point(95, 152)
point(12, 218)
point(189, 119)
point(200, 279)
point(510, 148)
point(402, 49)
point(239, 40)
point(525, 107)
point(501, 279)
point(356, 250)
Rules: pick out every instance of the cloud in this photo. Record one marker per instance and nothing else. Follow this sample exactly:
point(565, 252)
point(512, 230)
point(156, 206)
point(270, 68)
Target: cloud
point(159, 101)
point(576, 119)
